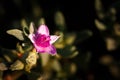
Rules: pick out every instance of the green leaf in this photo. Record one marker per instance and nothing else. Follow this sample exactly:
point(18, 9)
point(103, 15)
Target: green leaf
point(16, 33)
point(32, 59)
point(25, 27)
point(27, 46)
point(99, 9)
point(44, 58)
point(100, 25)
point(73, 68)
point(41, 21)
point(74, 54)
point(68, 51)
point(19, 48)
point(31, 28)
point(25, 31)
point(56, 65)
point(3, 66)
point(83, 35)
point(17, 65)
point(70, 38)
point(60, 20)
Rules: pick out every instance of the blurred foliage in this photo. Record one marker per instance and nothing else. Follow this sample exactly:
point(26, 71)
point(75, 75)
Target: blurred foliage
point(107, 22)
point(24, 60)
point(78, 57)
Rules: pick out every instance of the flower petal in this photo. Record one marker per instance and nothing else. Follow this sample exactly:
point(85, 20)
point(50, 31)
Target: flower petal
point(31, 37)
point(51, 50)
point(43, 29)
point(39, 49)
point(53, 38)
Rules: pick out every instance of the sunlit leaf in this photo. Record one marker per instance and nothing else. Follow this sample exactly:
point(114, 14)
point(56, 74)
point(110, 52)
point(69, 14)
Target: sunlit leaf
point(70, 38)
point(28, 68)
point(74, 54)
point(58, 56)
point(40, 78)
point(43, 77)
point(67, 51)
point(24, 23)
point(44, 59)
point(56, 65)
point(60, 20)
point(31, 59)
point(106, 59)
point(98, 5)
point(25, 31)
point(31, 28)
point(8, 54)
point(59, 44)
point(25, 27)
point(73, 48)
point(100, 25)
point(7, 58)
point(111, 44)
point(113, 13)
point(73, 68)
point(117, 29)
point(17, 65)
point(16, 33)
point(99, 9)
point(26, 46)
point(3, 67)
point(113, 10)
point(19, 48)
point(41, 21)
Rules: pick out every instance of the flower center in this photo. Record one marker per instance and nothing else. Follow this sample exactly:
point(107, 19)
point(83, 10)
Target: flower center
point(42, 40)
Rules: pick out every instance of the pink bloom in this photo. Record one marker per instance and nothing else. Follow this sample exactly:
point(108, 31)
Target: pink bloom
point(42, 41)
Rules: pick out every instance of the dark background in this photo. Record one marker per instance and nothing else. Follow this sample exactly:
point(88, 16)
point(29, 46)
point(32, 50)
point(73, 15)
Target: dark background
point(78, 14)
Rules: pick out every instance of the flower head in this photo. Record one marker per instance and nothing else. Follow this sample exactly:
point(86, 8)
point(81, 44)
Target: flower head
point(43, 41)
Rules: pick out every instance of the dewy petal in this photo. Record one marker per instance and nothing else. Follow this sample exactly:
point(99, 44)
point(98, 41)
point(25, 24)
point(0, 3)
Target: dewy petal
point(31, 37)
point(43, 29)
point(53, 38)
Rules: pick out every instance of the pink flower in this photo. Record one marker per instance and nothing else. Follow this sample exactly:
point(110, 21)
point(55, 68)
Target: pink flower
point(42, 41)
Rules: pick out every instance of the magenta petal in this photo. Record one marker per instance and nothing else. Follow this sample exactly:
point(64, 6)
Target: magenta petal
point(31, 37)
point(43, 29)
point(51, 50)
point(39, 49)
point(53, 38)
